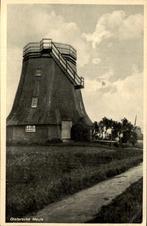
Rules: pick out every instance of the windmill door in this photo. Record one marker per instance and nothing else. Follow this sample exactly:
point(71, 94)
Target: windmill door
point(66, 130)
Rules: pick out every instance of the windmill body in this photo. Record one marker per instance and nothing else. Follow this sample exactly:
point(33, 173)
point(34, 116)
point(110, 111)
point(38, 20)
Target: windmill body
point(48, 101)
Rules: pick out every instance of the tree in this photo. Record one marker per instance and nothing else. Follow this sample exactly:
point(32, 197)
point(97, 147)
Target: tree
point(128, 132)
point(80, 131)
point(124, 127)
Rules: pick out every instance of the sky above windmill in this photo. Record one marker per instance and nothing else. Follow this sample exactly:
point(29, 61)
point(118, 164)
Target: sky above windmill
point(109, 43)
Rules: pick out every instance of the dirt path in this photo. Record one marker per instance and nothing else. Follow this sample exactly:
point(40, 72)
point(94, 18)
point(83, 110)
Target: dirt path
point(84, 205)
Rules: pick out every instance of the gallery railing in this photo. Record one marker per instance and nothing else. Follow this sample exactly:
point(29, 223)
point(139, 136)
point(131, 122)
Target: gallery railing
point(56, 50)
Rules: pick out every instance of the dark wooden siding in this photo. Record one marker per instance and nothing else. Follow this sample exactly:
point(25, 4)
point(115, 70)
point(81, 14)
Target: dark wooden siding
point(57, 98)
point(43, 134)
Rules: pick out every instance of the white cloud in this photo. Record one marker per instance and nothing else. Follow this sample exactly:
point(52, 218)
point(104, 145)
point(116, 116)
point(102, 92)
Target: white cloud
point(132, 27)
point(70, 33)
point(91, 87)
point(45, 24)
point(96, 60)
point(98, 35)
point(116, 25)
point(106, 76)
point(123, 98)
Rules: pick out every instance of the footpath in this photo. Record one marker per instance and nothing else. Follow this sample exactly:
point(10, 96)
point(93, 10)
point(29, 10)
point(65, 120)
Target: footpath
point(83, 206)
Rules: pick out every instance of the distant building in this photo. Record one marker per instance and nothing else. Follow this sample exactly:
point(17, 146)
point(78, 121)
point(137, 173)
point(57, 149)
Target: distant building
point(48, 102)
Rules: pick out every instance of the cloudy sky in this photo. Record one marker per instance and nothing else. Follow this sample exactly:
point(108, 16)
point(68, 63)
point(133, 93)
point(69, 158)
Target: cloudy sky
point(109, 43)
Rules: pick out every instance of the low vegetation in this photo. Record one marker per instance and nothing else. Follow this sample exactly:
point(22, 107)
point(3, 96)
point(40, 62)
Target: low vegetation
point(126, 208)
point(40, 175)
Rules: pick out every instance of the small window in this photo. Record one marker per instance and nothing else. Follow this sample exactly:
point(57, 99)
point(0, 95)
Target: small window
point(34, 102)
point(38, 73)
point(30, 129)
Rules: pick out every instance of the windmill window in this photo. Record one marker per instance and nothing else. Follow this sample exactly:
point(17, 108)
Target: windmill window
point(38, 72)
point(30, 129)
point(34, 102)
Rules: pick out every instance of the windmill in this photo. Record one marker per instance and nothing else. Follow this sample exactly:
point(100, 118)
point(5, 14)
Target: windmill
point(48, 101)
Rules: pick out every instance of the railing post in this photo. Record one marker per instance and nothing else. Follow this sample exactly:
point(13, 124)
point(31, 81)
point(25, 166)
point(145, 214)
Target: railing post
point(51, 43)
point(66, 64)
point(45, 44)
point(74, 75)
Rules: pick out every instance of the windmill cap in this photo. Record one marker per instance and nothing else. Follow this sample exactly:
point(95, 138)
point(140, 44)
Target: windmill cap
point(37, 47)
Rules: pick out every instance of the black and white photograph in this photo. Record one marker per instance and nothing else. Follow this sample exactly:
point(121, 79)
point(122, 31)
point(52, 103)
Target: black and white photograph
point(73, 127)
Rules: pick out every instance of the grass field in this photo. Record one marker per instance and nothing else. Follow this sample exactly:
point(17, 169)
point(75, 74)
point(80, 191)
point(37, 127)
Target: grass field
point(39, 175)
point(126, 208)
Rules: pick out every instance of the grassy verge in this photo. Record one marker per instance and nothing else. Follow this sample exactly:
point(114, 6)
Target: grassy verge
point(37, 176)
point(126, 208)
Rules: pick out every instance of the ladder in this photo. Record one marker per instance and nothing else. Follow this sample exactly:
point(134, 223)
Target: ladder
point(47, 44)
